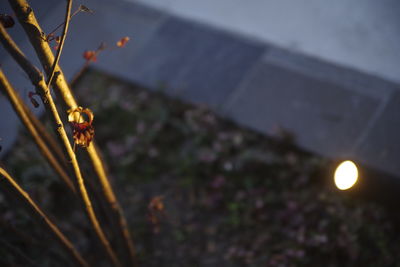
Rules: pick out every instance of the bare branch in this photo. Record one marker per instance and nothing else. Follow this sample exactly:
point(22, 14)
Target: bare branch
point(47, 137)
point(32, 28)
point(60, 47)
point(38, 81)
point(20, 107)
point(22, 112)
point(42, 48)
point(18, 55)
point(11, 186)
point(81, 8)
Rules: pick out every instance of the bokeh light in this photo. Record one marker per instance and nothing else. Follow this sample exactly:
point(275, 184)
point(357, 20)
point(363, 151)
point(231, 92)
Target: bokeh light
point(346, 175)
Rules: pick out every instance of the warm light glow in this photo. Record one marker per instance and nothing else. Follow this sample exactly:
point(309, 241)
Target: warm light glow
point(346, 175)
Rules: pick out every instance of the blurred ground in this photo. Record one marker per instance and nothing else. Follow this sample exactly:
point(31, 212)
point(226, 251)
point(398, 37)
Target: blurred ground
point(200, 191)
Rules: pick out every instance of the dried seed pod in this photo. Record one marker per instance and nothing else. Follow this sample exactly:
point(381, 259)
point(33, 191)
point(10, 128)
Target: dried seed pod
point(83, 131)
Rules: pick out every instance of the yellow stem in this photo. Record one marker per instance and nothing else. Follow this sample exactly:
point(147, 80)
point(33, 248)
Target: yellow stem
point(18, 106)
point(27, 19)
point(47, 137)
point(38, 81)
point(12, 186)
point(60, 47)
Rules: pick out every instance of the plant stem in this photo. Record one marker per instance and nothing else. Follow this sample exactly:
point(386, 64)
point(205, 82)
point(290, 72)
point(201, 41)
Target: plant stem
point(62, 23)
point(12, 186)
point(60, 47)
point(18, 106)
point(77, 75)
point(38, 81)
point(27, 19)
point(47, 137)
point(29, 23)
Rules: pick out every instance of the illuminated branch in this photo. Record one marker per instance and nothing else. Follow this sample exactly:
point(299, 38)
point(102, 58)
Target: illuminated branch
point(47, 137)
point(11, 186)
point(20, 109)
point(60, 47)
point(27, 19)
point(38, 81)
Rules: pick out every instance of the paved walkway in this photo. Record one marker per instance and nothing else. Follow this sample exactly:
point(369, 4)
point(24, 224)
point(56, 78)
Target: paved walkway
point(331, 110)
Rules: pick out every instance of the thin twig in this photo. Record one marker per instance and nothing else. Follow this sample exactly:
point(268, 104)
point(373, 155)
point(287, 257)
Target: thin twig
point(86, 65)
point(32, 28)
point(62, 23)
point(12, 186)
point(60, 47)
point(42, 48)
point(47, 137)
point(38, 81)
point(78, 74)
point(21, 108)
point(18, 106)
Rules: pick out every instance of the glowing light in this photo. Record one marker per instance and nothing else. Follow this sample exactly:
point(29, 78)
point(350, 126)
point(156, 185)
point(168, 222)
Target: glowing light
point(346, 175)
